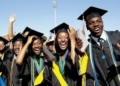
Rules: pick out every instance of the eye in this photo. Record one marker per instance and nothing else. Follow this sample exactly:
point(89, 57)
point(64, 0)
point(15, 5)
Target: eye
point(90, 23)
point(99, 21)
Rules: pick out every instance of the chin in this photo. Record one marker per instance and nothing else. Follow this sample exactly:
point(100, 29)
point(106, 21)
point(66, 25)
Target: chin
point(16, 54)
point(99, 34)
point(63, 49)
point(37, 53)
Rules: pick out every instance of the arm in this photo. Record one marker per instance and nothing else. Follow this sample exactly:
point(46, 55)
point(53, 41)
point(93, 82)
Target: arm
point(22, 53)
point(10, 28)
point(72, 34)
point(45, 42)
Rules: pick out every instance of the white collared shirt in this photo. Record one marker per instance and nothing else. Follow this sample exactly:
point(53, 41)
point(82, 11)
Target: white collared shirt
point(103, 36)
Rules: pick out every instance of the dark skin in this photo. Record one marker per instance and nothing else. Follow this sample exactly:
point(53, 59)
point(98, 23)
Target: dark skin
point(95, 26)
point(62, 39)
point(94, 23)
point(17, 45)
point(2, 46)
point(37, 46)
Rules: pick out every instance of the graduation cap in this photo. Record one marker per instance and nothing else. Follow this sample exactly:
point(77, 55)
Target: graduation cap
point(51, 41)
point(26, 29)
point(17, 37)
point(35, 33)
point(92, 12)
point(60, 28)
point(4, 40)
point(31, 33)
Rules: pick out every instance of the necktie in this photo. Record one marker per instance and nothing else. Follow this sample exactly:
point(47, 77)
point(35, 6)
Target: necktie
point(111, 68)
point(102, 60)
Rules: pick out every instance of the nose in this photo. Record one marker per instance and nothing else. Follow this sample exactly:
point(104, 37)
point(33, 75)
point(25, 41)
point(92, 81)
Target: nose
point(63, 39)
point(36, 45)
point(96, 24)
point(17, 47)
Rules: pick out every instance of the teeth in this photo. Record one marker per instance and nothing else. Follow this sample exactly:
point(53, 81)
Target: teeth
point(17, 50)
point(36, 49)
point(97, 28)
point(63, 46)
point(62, 43)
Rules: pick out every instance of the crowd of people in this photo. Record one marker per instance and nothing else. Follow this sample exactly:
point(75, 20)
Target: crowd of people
point(31, 59)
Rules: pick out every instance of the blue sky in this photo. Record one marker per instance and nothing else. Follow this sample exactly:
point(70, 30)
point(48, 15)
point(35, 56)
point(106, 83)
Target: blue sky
point(39, 14)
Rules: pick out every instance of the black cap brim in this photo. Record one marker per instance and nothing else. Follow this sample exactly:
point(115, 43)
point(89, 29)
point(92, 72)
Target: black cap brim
point(26, 29)
point(61, 27)
point(4, 40)
point(33, 33)
point(17, 37)
point(93, 10)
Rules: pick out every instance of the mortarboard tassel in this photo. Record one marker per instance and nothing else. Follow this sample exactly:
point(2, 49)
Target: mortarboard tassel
point(83, 27)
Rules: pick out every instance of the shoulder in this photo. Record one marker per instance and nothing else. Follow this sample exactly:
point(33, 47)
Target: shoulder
point(116, 32)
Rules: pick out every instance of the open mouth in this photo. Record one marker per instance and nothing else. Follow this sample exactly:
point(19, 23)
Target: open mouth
point(63, 45)
point(17, 51)
point(37, 50)
point(97, 30)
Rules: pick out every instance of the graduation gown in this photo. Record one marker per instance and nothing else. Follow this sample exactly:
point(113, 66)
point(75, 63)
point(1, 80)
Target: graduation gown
point(71, 75)
point(25, 73)
point(6, 62)
point(104, 78)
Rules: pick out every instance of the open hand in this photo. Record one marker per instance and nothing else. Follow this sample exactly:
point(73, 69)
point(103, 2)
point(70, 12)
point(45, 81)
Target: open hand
point(12, 18)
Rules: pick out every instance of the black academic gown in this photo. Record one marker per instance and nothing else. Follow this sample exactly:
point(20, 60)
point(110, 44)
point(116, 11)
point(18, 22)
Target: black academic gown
point(25, 73)
point(71, 72)
point(6, 62)
point(111, 78)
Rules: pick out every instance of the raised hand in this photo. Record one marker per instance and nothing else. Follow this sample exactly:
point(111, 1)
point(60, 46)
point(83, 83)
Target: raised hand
point(30, 39)
point(12, 18)
point(72, 33)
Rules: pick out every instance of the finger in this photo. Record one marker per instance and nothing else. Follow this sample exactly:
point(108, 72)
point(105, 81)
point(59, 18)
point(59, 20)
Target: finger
point(68, 31)
point(118, 45)
point(70, 27)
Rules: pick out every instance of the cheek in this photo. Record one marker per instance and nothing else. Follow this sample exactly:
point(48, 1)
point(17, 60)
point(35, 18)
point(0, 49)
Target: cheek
point(40, 45)
point(58, 41)
point(101, 25)
point(32, 47)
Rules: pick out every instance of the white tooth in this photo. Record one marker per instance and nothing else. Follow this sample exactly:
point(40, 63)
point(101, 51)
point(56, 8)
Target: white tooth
point(97, 28)
point(62, 43)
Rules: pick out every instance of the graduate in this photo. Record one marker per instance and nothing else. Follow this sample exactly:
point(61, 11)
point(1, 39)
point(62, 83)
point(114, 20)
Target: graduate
point(14, 79)
point(4, 60)
point(104, 50)
point(33, 63)
point(50, 45)
point(66, 58)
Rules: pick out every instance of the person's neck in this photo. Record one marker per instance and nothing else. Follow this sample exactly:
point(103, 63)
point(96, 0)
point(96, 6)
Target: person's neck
point(36, 56)
point(63, 54)
point(1, 53)
point(96, 36)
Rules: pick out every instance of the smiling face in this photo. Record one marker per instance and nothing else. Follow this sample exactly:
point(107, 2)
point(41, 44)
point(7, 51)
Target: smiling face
point(51, 46)
point(62, 40)
point(37, 46)
point(95, 26)
point(17, 45)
